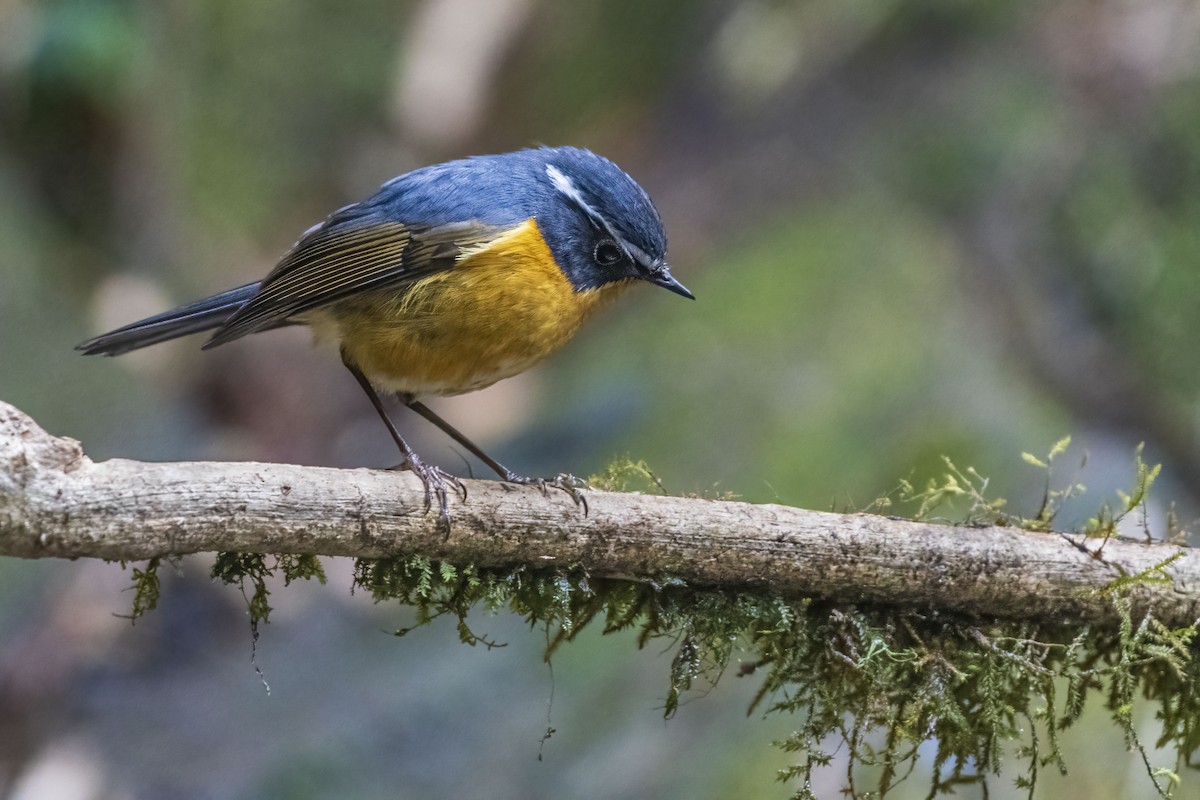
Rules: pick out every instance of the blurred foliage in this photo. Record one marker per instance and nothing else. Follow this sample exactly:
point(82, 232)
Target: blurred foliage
point(789, 410)
point(578, 75)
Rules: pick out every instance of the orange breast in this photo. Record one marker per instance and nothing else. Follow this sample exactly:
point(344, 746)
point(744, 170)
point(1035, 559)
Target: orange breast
point(501, 309)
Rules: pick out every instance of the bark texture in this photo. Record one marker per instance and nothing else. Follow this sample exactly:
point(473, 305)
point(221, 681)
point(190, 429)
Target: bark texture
point(56, 502)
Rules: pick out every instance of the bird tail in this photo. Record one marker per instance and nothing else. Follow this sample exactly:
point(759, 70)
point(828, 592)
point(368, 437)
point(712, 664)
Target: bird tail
point(202, 315)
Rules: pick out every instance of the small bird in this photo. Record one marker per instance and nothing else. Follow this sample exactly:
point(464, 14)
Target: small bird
point(450, 278)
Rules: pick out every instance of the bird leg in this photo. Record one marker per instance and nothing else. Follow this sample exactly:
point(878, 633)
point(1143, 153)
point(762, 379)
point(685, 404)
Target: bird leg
point(564, 481)
point(437, 481)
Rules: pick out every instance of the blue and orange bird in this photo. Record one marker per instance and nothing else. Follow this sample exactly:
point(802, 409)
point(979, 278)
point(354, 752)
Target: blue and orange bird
point(450, 278)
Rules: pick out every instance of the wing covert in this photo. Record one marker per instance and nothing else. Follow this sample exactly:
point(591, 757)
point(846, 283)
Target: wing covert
point(348, 254)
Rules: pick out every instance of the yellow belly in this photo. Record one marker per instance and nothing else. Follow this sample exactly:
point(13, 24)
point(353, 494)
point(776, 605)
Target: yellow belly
point(500, 310)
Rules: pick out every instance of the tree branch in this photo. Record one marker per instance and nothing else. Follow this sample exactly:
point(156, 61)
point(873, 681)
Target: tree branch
point(56, 502)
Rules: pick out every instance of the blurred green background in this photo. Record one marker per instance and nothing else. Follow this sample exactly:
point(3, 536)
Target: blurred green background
point(914, 229)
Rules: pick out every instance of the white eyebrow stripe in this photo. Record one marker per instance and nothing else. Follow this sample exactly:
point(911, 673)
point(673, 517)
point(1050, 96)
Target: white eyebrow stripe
point(565, 185)
point(638, 254)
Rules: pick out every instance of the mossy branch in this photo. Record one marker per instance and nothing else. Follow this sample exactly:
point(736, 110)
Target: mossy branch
point(55, 502)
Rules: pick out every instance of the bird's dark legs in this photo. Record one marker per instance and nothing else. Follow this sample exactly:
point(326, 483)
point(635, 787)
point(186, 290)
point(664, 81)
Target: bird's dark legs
point(568, 483)
point(437, 481)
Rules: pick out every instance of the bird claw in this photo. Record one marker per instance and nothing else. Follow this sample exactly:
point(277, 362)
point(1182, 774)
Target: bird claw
point(564, 482)
point(438, 483)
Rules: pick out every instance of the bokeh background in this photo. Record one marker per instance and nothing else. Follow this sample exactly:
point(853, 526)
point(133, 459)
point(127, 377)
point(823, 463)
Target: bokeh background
point(914, 229)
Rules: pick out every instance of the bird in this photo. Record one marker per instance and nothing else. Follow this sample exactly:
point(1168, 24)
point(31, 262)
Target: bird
point(448, 279)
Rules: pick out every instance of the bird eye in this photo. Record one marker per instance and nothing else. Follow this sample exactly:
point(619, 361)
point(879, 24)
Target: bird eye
point(607, 253)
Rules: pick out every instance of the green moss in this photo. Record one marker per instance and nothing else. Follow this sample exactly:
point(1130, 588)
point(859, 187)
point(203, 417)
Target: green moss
point(306, 567)
point(253, 570)
point(145, 588)
point(886, 680)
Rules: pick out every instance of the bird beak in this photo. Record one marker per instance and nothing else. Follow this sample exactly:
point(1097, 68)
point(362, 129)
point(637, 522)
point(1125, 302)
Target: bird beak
point(660, 275)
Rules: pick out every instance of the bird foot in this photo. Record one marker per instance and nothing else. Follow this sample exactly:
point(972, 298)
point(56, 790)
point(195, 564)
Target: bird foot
point(438, 483)
point(563, 481)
